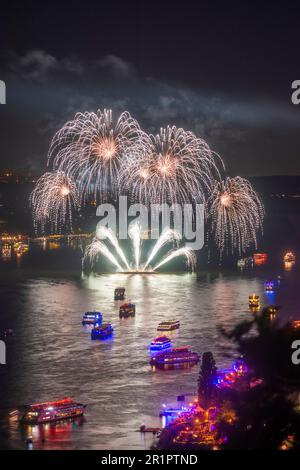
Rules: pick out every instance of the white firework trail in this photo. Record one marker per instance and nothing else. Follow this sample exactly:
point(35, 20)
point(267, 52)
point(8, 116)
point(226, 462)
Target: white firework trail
point(167, 236)
point(106, 233)
point(92, 147)
point(53, 200)
point(188, 253)
point(135, 232)
point(236, 214)
point(97, 248)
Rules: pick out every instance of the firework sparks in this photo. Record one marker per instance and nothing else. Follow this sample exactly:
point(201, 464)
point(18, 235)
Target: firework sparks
point(97, 248)
point(167, 236)
point(172, 166)
point(135, 232)
point(188, 253)
point(236, 214)
point(53, 200)
point(91, 147)
point(106, 233)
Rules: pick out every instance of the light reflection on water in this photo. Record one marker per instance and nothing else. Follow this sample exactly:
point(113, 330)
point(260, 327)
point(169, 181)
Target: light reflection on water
point(51, 354)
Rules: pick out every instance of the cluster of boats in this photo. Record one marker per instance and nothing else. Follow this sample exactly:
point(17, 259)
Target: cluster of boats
point(254, 300)
point(103, 330)
point(162, 352)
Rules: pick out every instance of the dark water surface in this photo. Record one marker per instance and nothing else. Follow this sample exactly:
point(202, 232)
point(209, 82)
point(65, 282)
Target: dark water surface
point(51, 354)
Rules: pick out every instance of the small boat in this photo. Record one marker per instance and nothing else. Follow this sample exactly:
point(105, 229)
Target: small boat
point(92, 318)
point(254, 301)
point(175, 356)
point(295, 324)
point(160, 343)
point(289, 257)
point(119, 293)
point(102, 332)
point(260, 258)
point(52, 411)
point(127, 310)
point(169, 325)
point(271, 310)
point(269, 286)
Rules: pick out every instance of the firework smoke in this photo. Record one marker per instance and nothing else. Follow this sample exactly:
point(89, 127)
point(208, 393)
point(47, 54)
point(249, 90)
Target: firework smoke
point(236, 214)
point(53, 200)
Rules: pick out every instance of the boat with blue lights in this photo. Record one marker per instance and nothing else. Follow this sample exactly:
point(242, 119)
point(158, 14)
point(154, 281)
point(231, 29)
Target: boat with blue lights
point(175, 356)
point(160, 343)
point(92, 318)
point(169, 325)
point(269, 285)
point(102, 331)
point(39, 413)
point(127, 310)
point(119, 293)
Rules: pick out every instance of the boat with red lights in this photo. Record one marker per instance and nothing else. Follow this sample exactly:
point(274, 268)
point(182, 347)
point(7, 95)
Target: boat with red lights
point(260, 258)
point(39, 413)
point(169, 325)
point(127, 310)
point(160, 343)
point(175, 356)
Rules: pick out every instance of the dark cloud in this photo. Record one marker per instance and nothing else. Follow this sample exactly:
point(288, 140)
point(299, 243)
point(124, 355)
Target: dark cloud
point(49, 90)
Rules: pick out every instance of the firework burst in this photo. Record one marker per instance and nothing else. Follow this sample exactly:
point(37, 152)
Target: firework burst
point(53, 200)
point(172, 166)
point(90, 149)
point(236, 214)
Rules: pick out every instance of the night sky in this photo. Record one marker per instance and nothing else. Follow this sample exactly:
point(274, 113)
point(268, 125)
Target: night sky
point(222, 70)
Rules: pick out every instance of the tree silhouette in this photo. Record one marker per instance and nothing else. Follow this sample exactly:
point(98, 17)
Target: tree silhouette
point(206, 379)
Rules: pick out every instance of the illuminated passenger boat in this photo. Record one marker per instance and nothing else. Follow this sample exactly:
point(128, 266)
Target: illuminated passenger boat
point(92, 318)
point(289, 257)
point(260, 258)
point(175, 356)
point(254, 301)
point(160, 343)
point(52, 411)
point(102, 332)
point(295, 324)
point(168, 325)
point(127, 310)
point(269, 286)
point(119, 293)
